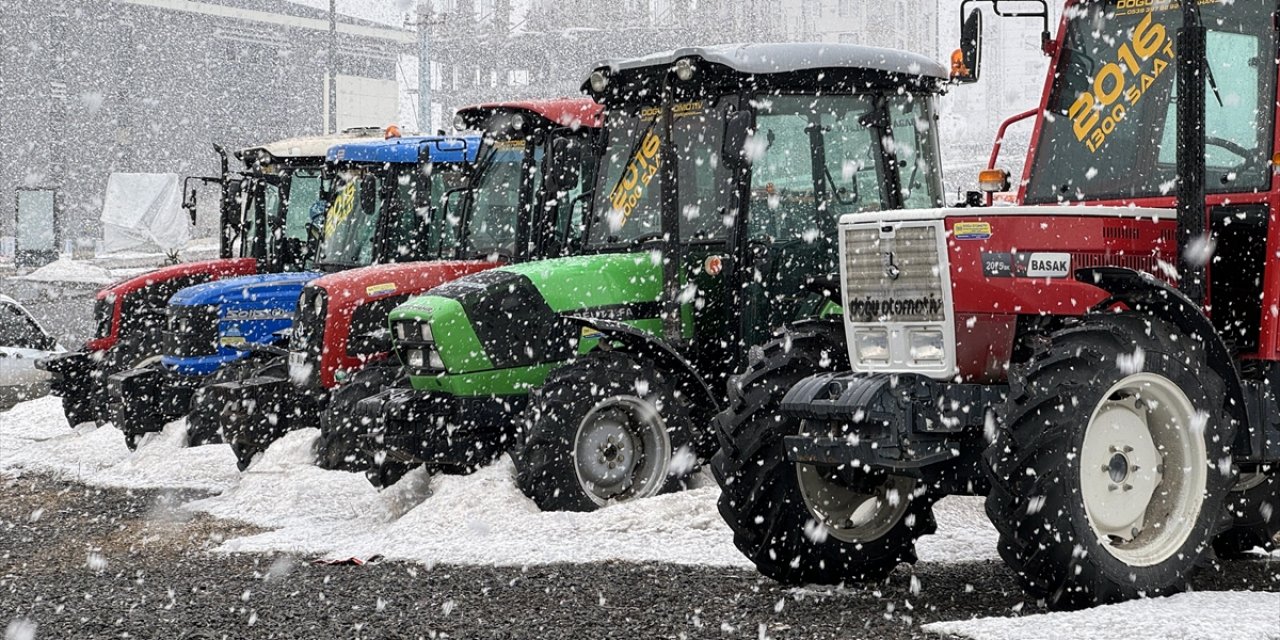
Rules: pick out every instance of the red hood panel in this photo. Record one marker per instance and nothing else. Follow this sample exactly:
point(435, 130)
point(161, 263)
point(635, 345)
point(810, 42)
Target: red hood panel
point(215, 268)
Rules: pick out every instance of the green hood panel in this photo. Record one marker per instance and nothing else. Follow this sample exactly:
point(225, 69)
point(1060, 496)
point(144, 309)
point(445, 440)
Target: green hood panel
point(594, 281)
point(515, 317)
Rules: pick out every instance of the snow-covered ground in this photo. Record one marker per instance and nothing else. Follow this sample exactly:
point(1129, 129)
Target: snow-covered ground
point(478, 519)
point(483, 519)
point(1238, 615)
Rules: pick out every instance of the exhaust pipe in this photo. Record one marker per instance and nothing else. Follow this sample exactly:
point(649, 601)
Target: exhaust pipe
point(1190, 152)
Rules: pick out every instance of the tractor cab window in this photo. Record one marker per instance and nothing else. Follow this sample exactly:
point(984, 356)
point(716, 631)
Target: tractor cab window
point(495, 199)
point(305, 204)
point(834, 136)
point(1111, 127)
point(352, 219)
point(412, 209)
point(628, 202)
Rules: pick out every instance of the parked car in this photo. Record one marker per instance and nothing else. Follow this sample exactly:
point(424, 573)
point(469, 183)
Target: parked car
point(22, 342)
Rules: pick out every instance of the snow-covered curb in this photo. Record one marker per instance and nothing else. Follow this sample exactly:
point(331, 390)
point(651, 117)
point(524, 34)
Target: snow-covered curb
point(1238, 615)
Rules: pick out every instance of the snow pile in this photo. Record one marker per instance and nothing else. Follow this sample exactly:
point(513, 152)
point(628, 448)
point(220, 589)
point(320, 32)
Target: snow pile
point(65, 270)
point(484, 519)
point(1239, 615)
point(34, 436)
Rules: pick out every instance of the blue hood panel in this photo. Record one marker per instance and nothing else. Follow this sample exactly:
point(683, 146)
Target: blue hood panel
point(251, 310)
point(246, 291)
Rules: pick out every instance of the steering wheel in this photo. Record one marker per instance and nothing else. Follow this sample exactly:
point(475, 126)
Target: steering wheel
point(1230, 147)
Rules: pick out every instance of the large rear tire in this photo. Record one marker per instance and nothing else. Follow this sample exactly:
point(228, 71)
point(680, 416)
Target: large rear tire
point(605, 430)
point(1254, 504)
point(800, 523)
point(338, 447)
point(1110, 475)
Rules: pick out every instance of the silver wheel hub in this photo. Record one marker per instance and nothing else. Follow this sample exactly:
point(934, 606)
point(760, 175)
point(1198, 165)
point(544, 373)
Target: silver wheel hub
point(622, 450)
point(1143, 469)
point(854, 514)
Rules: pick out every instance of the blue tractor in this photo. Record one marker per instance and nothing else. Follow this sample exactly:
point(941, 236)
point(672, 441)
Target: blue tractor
point(380, 205)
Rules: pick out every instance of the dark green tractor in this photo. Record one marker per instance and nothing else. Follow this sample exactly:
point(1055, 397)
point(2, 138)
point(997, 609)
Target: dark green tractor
point(722, 174)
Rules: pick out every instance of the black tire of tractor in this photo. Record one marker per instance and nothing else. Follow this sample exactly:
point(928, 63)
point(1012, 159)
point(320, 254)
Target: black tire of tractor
point(275, 367)
point(338, 447)
point(388, 473)
point(760, 497)
point(1033, 463)
point(204, 421)
point(545, 464)
point(1255, 513)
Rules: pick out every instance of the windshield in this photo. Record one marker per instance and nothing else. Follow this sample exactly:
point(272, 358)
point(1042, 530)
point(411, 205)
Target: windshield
point(496, 198)
point(628, 205)
point(1111, 126)
point(833, 136)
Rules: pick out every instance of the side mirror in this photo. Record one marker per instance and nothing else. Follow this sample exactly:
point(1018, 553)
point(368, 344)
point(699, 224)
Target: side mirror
point(189, 203)
point(565, 165)
point(966, 61)
point(737, 130)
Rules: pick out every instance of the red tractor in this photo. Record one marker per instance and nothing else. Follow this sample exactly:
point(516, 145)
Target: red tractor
point(1086, 360)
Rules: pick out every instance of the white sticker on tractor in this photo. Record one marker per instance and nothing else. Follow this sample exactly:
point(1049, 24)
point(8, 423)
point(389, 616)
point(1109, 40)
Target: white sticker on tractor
point(1049, 265)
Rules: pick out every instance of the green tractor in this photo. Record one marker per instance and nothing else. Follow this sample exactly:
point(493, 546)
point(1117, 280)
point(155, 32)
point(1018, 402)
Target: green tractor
point(722, 175)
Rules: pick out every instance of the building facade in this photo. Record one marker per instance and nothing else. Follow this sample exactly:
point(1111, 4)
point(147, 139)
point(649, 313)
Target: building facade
point(148, 86)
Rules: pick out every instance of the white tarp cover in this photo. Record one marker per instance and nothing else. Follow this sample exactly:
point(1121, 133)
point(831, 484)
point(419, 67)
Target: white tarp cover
point(143, 211)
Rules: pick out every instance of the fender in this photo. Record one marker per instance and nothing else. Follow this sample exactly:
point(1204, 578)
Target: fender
point(1142, 292)
point(641, 342)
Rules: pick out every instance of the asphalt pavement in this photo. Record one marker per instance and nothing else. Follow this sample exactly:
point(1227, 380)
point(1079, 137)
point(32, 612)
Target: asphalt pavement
point(84, 562)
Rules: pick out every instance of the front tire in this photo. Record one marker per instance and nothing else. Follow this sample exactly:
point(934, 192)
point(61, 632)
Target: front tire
point(801, 523)
point(1110, 475)
point(338, 447)
point(605, 430)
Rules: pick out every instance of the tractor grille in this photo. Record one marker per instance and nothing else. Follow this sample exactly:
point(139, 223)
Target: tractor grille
point(191, 331)
point(892, 276)
point(307, 339)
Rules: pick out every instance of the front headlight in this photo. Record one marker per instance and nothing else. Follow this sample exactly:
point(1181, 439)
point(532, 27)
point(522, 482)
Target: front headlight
point(872, 346)
point(425, 329)
point(926, 345)
point(433, 359)
point(416, 358)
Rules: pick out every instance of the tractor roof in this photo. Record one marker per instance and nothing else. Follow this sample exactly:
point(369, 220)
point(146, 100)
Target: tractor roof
point(567, 112)
point(307, 146)
point(408, 150)
point(769, 58)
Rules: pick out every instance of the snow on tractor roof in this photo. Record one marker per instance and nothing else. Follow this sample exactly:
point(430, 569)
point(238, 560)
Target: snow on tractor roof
point(767, 58)
point(310, 146)
point(408, 150)
point(568, 112)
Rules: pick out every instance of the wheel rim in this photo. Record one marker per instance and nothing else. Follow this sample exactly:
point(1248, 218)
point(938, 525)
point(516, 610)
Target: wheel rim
point(622, 450)
point(1143, 469)
point(850, 514)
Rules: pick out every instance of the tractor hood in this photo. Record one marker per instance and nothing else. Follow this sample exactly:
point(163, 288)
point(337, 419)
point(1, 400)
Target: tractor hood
point(518, 315)
point(356, 286)
point(265, 290)
point(356, 310)
point(211, 269)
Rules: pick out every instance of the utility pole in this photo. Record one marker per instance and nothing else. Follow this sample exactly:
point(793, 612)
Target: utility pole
point(332, 125)
point(424, 66)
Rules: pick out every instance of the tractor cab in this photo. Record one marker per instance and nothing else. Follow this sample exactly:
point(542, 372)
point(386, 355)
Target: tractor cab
point(735, 163)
